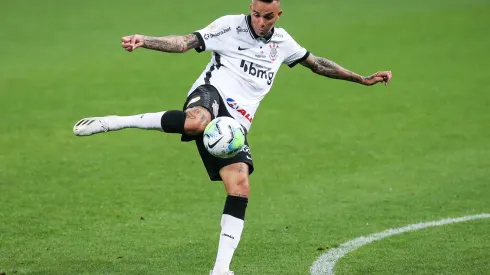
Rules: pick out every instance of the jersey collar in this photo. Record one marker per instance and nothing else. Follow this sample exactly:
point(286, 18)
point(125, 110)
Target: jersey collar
point(255, 35)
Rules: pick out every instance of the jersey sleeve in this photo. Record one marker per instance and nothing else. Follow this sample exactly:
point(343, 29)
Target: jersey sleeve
point(295, 53)
point(214, 36)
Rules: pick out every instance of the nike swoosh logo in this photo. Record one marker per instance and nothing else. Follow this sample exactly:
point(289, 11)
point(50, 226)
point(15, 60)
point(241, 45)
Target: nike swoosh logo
point(211, 146)
point(242, 49)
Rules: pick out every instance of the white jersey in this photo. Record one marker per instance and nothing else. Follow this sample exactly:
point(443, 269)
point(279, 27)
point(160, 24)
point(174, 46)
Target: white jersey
point(243, 65)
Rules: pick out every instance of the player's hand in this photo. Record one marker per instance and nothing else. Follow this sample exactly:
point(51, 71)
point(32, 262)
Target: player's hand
point(132, 42)
point(378, 77)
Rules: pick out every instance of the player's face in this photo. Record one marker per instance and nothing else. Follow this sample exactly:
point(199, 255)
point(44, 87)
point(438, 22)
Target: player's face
point(264, 15)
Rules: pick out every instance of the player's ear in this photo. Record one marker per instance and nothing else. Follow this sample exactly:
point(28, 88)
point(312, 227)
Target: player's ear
point(250, 8)
point(279, 14)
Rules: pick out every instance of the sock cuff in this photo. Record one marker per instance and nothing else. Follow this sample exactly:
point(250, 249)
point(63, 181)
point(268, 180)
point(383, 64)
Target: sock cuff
point(235, 207)
point(173, 122)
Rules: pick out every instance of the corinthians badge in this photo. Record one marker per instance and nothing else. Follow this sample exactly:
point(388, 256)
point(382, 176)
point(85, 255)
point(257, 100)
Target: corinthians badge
point(273, 54)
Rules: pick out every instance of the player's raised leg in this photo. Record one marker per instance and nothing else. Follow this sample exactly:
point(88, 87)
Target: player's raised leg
point(235, 178)
point(191, 122)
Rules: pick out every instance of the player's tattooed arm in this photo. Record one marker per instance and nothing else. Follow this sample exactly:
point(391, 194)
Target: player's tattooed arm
point(328, 68)
point(171, 44)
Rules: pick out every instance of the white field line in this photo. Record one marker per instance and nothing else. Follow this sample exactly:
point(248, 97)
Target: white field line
point(325, 264)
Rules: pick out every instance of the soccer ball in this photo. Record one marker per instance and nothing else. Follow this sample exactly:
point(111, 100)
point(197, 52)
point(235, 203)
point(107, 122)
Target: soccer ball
point(224, 137)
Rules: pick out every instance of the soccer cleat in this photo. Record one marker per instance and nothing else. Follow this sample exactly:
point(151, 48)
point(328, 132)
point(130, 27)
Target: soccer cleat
point(222, 273)
point(91, 125)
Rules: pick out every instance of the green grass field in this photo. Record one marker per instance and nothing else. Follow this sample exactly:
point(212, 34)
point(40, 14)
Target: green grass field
point(334, 160)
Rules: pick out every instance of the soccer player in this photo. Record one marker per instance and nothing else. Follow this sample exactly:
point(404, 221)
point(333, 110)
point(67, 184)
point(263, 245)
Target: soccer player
point(247, 51)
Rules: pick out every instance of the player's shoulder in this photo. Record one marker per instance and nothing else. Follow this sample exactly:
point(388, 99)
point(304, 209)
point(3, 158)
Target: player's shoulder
point(281, 35)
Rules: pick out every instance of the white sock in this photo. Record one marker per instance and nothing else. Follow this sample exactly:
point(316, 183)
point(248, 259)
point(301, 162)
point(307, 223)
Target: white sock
point(150, 121)
point(231, 232)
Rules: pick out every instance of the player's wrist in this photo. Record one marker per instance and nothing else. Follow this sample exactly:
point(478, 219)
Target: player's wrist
point(363, 80)
point(144, 39)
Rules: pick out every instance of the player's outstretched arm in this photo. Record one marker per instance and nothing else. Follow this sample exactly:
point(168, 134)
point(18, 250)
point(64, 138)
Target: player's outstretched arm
point(169, 44)
point(325, 67)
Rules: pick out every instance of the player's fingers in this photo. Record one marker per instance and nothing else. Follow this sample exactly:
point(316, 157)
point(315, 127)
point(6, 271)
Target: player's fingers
point(127, 46)
point(138, 44)
point(133, 40)
point(126, 39)
point(386, 77)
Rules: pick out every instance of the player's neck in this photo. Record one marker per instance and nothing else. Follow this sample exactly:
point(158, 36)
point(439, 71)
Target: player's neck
point(266, 37)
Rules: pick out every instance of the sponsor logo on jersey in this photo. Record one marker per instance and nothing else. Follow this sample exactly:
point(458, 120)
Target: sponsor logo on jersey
point(257, 71)
point(278, 35)
point(233, 104)
point(261, 55)
point(240, 29)
point(216, 34)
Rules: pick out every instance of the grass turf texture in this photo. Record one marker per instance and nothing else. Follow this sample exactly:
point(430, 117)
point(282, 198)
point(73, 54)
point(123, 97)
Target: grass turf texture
point(334, 160)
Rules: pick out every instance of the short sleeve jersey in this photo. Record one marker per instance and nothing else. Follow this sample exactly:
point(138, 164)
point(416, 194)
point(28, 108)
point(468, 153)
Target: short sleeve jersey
point(243, 65)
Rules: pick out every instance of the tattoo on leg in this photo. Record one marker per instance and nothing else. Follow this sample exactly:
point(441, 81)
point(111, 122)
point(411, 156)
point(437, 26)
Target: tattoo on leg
point(198, 115)
point(190, 114)
point(242, 168)
point(203, 119)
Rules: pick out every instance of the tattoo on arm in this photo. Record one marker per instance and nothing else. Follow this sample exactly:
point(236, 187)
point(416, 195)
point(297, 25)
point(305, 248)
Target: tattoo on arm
point(172, 43)
point(328, 68)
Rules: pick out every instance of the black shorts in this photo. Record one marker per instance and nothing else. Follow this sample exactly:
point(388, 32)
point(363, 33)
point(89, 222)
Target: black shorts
point(208, 97)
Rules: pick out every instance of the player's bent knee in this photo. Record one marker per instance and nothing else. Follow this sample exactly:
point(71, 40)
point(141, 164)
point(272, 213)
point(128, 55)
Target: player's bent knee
point(238, 186)
point(235, 178)
point(196, 120)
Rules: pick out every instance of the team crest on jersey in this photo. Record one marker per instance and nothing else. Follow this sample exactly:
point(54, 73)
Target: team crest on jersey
point(273, 53)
